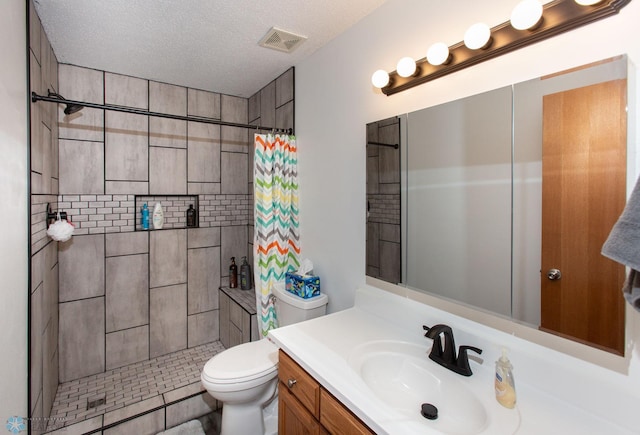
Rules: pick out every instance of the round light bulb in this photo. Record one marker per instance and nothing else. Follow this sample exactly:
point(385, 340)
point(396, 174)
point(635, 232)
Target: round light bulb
point(526, 14)
point(438, 53)
point(588, 2)
point(406, 67)
point(380, 78)
point(477, 36)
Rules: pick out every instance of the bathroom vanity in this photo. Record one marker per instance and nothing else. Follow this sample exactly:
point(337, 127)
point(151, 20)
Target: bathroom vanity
point(368, 366)
point(305, 407)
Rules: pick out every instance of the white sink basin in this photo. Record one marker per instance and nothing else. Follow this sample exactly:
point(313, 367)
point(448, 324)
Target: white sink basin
point(402, 376)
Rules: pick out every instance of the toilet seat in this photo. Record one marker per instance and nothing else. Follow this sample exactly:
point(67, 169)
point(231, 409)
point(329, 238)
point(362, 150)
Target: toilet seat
point(243, 366)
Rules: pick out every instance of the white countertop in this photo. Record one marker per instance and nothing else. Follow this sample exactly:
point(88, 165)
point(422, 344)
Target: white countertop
point(323, 347)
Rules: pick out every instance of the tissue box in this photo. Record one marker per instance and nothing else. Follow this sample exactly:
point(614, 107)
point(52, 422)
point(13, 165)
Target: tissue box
point(306, 286)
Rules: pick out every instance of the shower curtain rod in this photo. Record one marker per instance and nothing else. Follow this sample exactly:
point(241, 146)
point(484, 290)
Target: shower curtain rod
point(35, 97)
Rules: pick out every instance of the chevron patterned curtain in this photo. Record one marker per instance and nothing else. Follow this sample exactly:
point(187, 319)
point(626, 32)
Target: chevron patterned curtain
point(277, 239)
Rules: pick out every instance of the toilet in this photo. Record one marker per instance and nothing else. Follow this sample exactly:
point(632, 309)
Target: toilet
point(245, 377)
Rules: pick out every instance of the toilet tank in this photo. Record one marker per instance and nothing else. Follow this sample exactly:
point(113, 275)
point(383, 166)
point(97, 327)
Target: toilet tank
point(292, 309)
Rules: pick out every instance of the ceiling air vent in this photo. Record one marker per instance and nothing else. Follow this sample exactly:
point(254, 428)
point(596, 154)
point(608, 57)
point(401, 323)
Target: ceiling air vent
point(281, 40)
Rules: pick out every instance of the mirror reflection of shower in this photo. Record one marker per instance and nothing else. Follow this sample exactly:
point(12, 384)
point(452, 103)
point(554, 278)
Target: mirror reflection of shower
point(383, 200)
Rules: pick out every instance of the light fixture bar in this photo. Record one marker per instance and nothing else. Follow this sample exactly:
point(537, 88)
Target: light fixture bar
point(558, 16)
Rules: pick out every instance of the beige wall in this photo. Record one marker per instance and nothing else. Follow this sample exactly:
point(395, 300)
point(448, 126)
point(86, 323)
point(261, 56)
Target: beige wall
point(13, 191)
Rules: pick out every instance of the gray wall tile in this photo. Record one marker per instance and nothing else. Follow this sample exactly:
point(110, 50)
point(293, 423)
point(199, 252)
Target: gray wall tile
point(164, 98)
point(234, 244)
point(127, 187)
point(284, 88)
point(122, 90)
point(254, 108)
point(235, 176)
point(225, 319)
point(168, 257)
point(81, 267)
point(81, 348)
point(203, 238)
point(126, 147)
point(234, 109)
point(204, 153)
point(268, 105)
point(204, 279)
point(284, 116)
point(167, 171)
point(127, 291)
point(235, 139)
point(203, 327)
point(81, 84)
point(81, 167)
point(127, 347)
point(127, 243)
point(168, 320)
point(203, 103)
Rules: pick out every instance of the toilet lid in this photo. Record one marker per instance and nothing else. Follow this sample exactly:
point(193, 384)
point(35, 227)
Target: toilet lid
point(243, 362)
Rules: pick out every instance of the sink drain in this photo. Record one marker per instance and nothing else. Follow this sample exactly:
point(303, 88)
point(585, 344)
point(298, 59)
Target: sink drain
point(429, 411)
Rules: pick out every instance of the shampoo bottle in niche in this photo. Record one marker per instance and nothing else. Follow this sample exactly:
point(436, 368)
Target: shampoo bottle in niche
point(504, 383)
point(144, 220)
point(233, 274)
point(191, 216)
point(158, 216)
point(245, 275)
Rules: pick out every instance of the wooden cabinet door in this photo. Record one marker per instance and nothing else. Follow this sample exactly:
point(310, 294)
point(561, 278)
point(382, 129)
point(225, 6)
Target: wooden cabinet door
point(583, 190)
point(293, 418)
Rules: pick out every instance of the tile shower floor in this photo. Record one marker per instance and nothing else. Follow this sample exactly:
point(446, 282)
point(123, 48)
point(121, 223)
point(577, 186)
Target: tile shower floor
point(163, 378)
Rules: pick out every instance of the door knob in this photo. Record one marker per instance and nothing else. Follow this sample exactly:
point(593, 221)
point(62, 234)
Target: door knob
point(554, 274)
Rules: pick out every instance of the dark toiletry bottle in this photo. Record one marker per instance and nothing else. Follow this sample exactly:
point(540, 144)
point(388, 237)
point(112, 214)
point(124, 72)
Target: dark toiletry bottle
point(233, 274)
point(191, 216)
point(145, 217)
point(245, 275)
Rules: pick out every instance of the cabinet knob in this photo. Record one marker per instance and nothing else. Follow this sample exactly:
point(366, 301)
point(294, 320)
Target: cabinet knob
point(291, 383)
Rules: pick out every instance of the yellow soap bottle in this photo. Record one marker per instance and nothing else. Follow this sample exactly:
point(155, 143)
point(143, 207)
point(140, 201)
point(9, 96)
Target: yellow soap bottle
point(504, 383)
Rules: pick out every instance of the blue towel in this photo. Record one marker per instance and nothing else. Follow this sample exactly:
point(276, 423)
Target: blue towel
point(623, 246)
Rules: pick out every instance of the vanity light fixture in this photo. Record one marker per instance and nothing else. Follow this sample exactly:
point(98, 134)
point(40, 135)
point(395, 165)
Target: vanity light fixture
point(526, 15)
point(438, 54)
point(406, 67)
point(530, 23)
point(478, 36)
point(380, 78)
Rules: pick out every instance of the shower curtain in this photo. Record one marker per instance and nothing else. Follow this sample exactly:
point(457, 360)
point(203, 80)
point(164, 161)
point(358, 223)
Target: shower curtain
point(276, 239)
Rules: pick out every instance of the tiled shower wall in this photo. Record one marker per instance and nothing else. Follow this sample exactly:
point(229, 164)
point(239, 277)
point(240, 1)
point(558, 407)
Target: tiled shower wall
point(383, 201)
point(128, 296)
point(43, 75)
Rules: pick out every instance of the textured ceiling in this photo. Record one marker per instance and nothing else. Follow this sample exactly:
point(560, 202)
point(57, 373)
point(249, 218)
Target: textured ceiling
point(203, 44)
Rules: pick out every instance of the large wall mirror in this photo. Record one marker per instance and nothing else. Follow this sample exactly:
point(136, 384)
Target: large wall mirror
point(502, 201)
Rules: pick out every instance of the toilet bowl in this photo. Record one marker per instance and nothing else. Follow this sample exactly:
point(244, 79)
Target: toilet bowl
point(245, 377)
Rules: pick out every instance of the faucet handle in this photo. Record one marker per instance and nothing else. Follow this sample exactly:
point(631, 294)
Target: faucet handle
point(463, 359)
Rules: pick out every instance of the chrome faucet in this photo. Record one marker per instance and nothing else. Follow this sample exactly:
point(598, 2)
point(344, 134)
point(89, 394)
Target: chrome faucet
point(446, 356)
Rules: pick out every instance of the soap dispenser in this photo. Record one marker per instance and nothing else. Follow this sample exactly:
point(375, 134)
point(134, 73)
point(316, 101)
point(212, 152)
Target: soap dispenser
point(504, 383)
point(233, 274)
point(245, 275)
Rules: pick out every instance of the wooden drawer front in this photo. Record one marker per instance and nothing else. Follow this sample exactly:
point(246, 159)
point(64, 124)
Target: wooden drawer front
point(293, 418)
point(339, 420)
point(299, 383)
